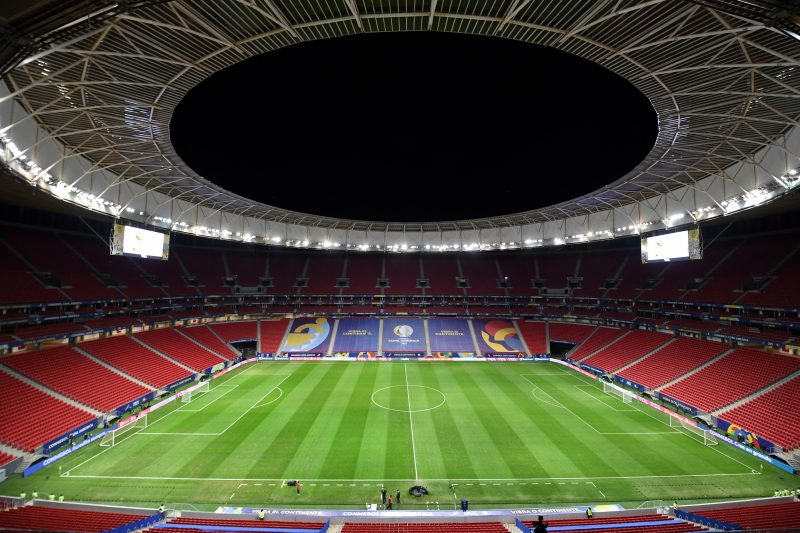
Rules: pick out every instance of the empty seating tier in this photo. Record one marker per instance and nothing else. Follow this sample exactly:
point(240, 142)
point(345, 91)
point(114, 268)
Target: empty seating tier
point(534, 335)
point(627, 349)
point(272, 332)
point(206, 337)
point(734, 376)
point(176, 346)
point(31, 417)
point(5, 458)
point(73, 374)
point(599, 338)
point(773, 415)
point(672, 361)
point(569, 332)
point(758, 517)
point(56, 519)
point(645, 524)
point(236, 331)
point(136, 360)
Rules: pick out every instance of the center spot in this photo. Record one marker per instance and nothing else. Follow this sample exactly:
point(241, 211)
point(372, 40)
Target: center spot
point(398, 397)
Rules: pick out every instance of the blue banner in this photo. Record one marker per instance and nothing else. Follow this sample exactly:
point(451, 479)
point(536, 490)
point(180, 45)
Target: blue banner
point(356, 335)
point(135, 403)
point(63, 453)
point(308, 335)
point(180, 382)
point(63, 439)
point(403, 336)
point(448, 335)
point(497, 337)
point(685, 407)
point(629, 383)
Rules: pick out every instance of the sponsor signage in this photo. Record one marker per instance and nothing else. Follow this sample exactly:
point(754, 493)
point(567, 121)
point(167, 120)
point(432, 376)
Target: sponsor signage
point(63, 453)
point(64, 439)
point(180, 382)
point(629, 383)
point(685, 407)
point(132, 405)
point(131, 419)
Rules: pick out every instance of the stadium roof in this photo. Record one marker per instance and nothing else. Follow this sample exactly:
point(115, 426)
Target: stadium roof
point(91, 94)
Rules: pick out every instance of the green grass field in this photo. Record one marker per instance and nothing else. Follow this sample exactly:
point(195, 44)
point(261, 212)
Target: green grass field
point(502, 434)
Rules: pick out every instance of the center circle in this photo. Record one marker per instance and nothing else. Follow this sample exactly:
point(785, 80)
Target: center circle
point(413, 126)
point(420, 397)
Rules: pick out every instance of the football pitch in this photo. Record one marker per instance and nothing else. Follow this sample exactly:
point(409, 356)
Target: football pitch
point(502, 434)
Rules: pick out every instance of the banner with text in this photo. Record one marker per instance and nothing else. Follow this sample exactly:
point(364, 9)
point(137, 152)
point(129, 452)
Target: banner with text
point(356, 335)
point(404, 336)
point(309, 335)
point(450, 335)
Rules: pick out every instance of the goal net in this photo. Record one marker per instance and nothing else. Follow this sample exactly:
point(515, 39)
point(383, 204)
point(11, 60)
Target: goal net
point(113, 437)
point(625, 396)
point(186, 398)
point(697, 433)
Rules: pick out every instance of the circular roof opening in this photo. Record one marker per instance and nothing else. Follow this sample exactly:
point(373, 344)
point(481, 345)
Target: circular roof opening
point(413, 127)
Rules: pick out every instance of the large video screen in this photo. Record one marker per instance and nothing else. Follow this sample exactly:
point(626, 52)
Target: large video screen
point(139, 242)
point(677, 246)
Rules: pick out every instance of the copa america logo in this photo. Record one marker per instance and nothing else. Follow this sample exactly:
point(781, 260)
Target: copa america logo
point(403, 330)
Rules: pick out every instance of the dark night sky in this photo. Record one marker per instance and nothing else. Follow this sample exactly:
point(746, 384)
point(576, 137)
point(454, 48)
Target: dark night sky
point(413, 126)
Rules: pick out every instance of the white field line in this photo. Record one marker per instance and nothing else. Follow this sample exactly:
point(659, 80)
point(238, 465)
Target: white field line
point(411, 423)
point(598, 489)
point(327, 480)
point(672, 432)
point(602, 400)
point(286, 376)
point(644, 410)
point(230, 388)
point(68, 472)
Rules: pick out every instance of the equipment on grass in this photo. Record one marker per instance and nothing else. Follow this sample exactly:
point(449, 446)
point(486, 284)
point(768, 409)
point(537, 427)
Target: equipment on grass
point(187, 397)
point(703, 435)
point(625, 396)
point(111, 438)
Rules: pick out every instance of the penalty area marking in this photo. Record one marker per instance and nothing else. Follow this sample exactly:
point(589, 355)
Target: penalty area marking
point(602, 400)
point(280, 390)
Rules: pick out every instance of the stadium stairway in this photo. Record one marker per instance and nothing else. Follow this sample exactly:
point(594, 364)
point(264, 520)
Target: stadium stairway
point(645, 356)
point(39, 386)
point(114, 369)
point(695, 370)
point(757, 393)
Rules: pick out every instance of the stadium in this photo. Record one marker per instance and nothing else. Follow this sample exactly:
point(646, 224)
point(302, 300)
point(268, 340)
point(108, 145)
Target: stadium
point(183, 354)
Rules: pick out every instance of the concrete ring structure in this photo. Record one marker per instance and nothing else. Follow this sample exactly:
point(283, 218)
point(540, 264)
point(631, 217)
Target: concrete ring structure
point(86, 101)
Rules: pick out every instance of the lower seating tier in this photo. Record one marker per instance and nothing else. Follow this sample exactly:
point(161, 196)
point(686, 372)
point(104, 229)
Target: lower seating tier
point(32, 417)
point(56, 519)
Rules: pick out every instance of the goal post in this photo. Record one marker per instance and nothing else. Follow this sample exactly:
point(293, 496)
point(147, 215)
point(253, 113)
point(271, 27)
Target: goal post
point(703, 435)
point(201, 388)
point(622, 394)
point(111, 438)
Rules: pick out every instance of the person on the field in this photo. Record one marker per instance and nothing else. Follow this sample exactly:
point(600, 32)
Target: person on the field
point(389, 504)
point(60, 498)
point(397, 499)
point(383, 495)
point(297, 486)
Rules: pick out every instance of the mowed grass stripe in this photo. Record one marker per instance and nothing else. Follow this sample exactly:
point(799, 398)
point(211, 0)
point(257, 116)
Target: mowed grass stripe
point(328, 414)
point(352, 425)
point(398, 453)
